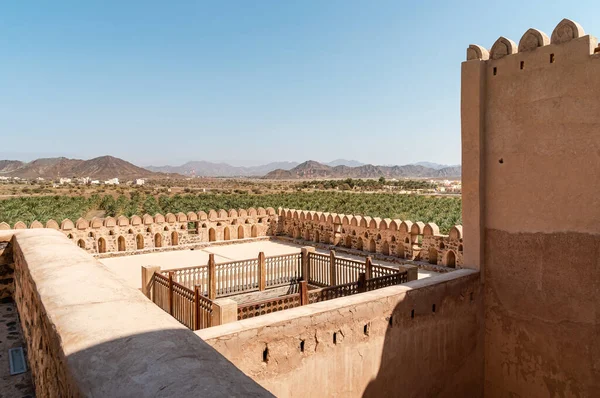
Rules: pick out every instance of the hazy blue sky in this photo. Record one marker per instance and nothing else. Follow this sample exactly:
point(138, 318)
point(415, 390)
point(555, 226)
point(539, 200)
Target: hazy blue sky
point(163, 82)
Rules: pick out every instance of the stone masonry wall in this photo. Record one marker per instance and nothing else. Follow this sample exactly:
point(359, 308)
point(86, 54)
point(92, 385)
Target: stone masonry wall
point(401, 239)
point(420, 339)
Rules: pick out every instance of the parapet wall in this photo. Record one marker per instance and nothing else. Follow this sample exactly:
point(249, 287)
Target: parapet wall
point(420, 339)
point(123, 234)
point(89, 334)
point(402, 239)
point(531, 208)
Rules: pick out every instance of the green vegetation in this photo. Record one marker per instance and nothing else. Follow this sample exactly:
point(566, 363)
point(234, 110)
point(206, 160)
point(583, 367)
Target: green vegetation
point(365, 185)
point(444, 211)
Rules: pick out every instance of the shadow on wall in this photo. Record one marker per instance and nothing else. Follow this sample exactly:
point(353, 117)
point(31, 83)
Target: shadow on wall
point(432, 347)
point(169, 362)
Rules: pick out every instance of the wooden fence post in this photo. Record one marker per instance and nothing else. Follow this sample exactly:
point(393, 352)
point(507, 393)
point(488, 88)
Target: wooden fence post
point(197, 307)
point(305, 252)
point(262, 272)
point(332, 270)
point(362, 282)
point(171, 293)
point(368, 268)
point(147, 275)
point(212, 277)
point(303, 293)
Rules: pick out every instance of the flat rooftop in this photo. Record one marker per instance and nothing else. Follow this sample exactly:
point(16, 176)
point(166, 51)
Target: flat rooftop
point(128, 268)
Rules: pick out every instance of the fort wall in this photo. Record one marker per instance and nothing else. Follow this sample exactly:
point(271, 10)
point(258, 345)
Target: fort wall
point(531, 161)
point(419, 339)
point(89, 334)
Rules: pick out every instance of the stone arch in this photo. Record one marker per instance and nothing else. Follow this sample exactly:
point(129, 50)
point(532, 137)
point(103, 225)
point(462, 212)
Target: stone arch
point(385, 248)
point(394, 224)
point(477, 52)
point(110, 222)
point(565, 31)
point(374, 223)
point(222, 214)
point(36, 224)
point(364, 221)
point(65, 225)
point(405, 226)
point(242, 213)
point(337, 219)
point(355, 220)
point(329, 219)
point(254, 231)
point(101, 245)
point(81, 243)
point(261, 211)
point(348, 242)
point(322, 218)
point(166, 228)
point(297, 234)
point(503, 47)
point(212, 215)
point(345, 220)
point(191, 216)
point(181, 217)
point(122, 221)
point(202, 216)
point(460, 248)
point(442, 245)
point(170, 218)
point(130, 231)
point(52, 224)
point(135, 220)
point(157, 240)
point(82, 224)
point(533, 39)
point(431, 229)
point(252, 212)
point(385, 224)
point(270, 211)
point(4, 226)
point(359, 243)
point(241, 232)
point(450, 260)
point(139, 241)
point(317, 236)
point(456, 232)
point(212, 235)
point(433, 255)
point(372, 246)
point(20, 225)
point(147, 219)
point(121, 244)
point(226, 234)
point(232, 213)
point(174, 238)
point(400, 250)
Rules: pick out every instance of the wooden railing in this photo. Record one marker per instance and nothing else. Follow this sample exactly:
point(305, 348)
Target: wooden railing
point(187, 306)
point(237, 277)
point(283, 270)
point(386, 280)
point(190, 277)
point(267, 306)
point(378, 271)
point(332, 292)
point(348, 270)
point(319, 269)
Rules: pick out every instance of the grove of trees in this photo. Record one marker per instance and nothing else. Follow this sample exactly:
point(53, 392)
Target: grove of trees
point(444, 211)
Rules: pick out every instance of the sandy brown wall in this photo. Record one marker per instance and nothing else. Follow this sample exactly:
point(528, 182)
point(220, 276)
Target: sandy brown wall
point(380, 349)
point(540, 211)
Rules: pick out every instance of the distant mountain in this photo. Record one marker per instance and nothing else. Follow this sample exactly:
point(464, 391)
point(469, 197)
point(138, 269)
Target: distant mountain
point(435, 166)
point(103, 167)
point(6, 166)
point(209, 169)
point(344, 162)
point(316, 170)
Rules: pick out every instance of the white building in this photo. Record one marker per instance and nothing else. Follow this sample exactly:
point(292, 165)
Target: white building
point(140, 181)
point(64, 181)
point(95, 182)
point(112, 181)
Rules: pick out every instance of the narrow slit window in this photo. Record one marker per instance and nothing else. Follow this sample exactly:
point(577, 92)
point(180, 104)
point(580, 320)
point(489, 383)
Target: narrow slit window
point(522, 65)
point(495, 71)
point(551, 58)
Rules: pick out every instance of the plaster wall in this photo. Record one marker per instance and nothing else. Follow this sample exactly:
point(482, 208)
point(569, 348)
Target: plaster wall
point(388, 342)
point(530, 122)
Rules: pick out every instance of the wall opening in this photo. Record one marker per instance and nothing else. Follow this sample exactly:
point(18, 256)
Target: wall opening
point(265, 355)
point(226, 234)
point(81, 243)
point(240, 232)
point(139, 242)
point(317, 236)
point(450, 259)
point(372, 246)
point(101, 245)
point(212, 235)
point(522, 65)
point(385, 248)
point(359, 243)
point(254, 231)
point(121, 243)
point(551, 58)
point(301, 345)
point(348, 242)
point(495, 71)
point(433, 256)
point(174, 238)
point(158, 240)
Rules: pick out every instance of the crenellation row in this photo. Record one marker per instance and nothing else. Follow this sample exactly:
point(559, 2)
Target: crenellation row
point(532, 39)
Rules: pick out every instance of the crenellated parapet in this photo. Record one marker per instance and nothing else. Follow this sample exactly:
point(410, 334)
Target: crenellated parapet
point(567, 42)
point(125, 234)
point(402, 239)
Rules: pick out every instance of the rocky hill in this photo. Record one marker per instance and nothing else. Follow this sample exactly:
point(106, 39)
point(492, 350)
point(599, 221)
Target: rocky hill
point(210, 169)
point(103, 167)
point(316, 170)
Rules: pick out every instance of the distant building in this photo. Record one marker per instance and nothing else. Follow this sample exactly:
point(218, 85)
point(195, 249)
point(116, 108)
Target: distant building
point(112, 181)
point(64, 181)
point(95, 182)
point(140, 181)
